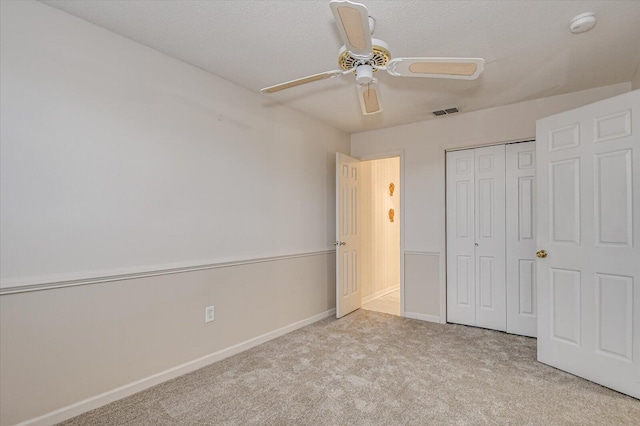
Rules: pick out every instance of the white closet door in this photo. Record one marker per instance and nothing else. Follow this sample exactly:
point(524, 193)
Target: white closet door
point(461, 307)
point(521, 242)
point(490, 237)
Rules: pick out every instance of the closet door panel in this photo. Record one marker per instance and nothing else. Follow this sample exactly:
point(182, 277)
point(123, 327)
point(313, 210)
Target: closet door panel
point(461, 307)
point(490, 237)
point(521, 243)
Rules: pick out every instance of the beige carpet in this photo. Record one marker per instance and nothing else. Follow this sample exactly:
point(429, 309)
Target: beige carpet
point(371, 368)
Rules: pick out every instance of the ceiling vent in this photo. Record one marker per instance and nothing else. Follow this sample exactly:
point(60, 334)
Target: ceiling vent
point(446, 111)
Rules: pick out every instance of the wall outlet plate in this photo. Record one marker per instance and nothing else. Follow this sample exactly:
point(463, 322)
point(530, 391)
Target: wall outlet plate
point(209, 313)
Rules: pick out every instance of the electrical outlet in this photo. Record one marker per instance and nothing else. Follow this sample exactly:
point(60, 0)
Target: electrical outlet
point(209, 313)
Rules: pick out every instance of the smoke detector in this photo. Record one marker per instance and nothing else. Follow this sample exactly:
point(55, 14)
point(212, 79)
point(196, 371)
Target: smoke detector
point(582, 23)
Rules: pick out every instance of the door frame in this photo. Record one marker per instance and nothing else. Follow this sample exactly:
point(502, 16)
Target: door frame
point(382, 156)
point(443, 240)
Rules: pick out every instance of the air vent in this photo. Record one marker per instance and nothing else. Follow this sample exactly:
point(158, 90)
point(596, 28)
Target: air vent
point(446, 111)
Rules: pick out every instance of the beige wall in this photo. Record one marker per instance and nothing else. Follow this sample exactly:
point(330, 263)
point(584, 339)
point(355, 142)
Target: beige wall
point(62, 346)
point(380, 238)
point(635, 83)
point(424, 145)
point(117, 159)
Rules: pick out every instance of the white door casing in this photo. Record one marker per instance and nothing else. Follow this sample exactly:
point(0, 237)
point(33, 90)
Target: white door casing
point(461, 291)
point(588, 213)
point(476, 237)
point(521, 234)
point(490, 237)
point(348, 292)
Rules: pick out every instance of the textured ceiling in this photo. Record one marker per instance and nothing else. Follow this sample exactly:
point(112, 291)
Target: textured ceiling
point(528, 48)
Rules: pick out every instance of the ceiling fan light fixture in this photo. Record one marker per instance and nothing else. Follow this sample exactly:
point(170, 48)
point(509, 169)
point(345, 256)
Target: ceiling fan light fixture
point(364, 75)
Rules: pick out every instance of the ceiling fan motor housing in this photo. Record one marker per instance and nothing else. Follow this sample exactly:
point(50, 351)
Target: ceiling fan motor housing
point(379, 58)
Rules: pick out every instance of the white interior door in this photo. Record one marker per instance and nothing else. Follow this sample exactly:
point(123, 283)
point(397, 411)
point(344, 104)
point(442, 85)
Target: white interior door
point(521, 238)
point(348, 297)
point(588, 212)
point(490, 237)
point(461, 290)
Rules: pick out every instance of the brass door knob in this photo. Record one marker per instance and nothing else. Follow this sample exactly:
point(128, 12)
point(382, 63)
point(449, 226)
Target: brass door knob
point(542, 254)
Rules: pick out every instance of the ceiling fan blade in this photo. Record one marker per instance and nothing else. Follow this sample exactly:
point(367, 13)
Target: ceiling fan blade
point(353, 23)
point(369, 99)
point(300, 81)
point(459, 68)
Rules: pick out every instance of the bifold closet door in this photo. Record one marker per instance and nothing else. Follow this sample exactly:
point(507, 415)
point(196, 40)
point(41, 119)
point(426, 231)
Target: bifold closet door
point(476, 288)
point(521, 238)
point(461, 293)
point(491, 296)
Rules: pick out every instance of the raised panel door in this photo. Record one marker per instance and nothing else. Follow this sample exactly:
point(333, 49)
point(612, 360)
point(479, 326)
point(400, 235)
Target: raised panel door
point(520, 238)
point(461, 290)
point(588, 215)
point(490, 237)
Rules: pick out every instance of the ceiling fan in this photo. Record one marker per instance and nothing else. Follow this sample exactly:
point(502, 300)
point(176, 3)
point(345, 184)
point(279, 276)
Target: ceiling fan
point(364, 55)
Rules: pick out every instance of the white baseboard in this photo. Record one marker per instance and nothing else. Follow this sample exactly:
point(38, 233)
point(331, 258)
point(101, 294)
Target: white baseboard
point(380, 293)
point(423, 317)
point(88, 404)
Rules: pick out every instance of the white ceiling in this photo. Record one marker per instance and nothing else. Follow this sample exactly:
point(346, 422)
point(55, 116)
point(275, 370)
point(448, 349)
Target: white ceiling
point(528, 48)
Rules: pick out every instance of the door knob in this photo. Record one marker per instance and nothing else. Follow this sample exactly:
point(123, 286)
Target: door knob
point(542, 254)
point(342, 243)
point(335, 243)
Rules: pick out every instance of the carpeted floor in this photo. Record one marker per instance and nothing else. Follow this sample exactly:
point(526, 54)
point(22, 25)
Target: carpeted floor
point(371, 368)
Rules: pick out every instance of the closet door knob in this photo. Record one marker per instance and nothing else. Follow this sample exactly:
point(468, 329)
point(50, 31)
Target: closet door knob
point(542, 254)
